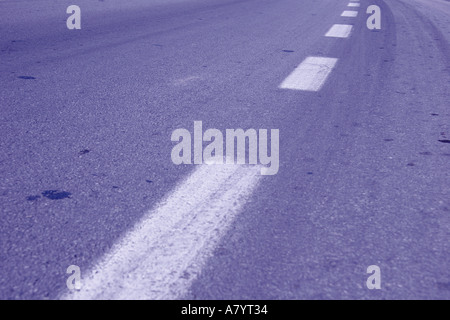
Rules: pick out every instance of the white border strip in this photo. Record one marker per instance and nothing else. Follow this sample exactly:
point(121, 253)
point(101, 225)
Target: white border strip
point(350, 14)
point(165, 252)
point(339, 31)
point(310, 75)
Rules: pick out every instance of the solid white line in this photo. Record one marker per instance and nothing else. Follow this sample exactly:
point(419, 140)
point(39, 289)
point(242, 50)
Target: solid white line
point(339, 31)
point(353, 5)
point(350, 14)
point(165, 252)
point(310, 75)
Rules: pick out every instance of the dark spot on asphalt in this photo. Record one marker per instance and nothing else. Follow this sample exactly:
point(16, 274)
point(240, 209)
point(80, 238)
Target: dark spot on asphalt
point(310, 173)
point(444, 141)
point(221, 251)
point(435, 114)
point(149, 181)
point(426, 153)
point(26, 77)
point(410, 164)
point(100, 175)
point(115, 187)
point(388, 140)
point(446, 154)
point(331, 263)
point(157, 45)
point(85, 151)
point(56, 195)
point(289, 51)
point(32, 198)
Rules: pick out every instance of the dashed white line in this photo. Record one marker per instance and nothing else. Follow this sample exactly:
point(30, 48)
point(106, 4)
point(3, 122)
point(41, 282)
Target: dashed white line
point(164, 253)
point(310, 75)
point(350, 14)
point(353, 4)
point(339, 31)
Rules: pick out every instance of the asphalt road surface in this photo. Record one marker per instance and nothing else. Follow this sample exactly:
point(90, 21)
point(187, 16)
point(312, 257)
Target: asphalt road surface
point(87, 178)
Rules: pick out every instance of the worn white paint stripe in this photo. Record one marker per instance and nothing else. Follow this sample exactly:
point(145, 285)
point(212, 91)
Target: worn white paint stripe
point(339, 31)
point(350, 14)
point(355, 5)
point(164, 253)
point(310, 75)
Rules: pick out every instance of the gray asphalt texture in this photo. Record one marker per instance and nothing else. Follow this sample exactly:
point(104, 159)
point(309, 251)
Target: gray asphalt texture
point(86, 117)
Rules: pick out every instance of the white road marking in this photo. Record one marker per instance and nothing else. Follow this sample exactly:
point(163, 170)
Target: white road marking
point(350, 14)
point(164, 253)
point(339, 31)
point(310, 75)
point(356, 5)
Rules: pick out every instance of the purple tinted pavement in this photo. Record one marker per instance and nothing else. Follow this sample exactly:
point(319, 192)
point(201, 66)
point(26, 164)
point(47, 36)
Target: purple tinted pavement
point(86, 118)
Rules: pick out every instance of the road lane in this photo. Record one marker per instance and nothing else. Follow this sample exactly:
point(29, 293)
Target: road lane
point(367, 179)
point(96, 121)
point(165, 252)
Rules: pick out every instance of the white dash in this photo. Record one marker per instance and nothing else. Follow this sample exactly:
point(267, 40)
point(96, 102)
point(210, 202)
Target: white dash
point(339, 31)
point(350, 14)
point(164, 253)
point(355, 5)
point(310, 75)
